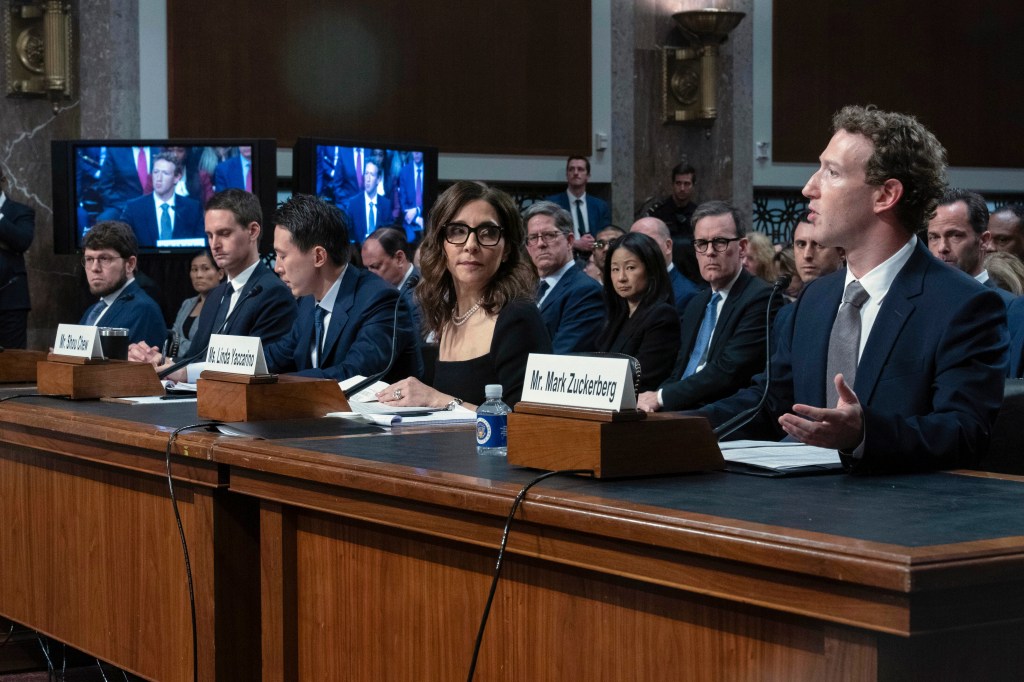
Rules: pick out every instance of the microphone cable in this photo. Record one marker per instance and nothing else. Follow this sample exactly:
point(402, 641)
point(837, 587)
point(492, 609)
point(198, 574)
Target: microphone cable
point(353, 390)
point(501, 556)
point(743, 418)
point(184, 542)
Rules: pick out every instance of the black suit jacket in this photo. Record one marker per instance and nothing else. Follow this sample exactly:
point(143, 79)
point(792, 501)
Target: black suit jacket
point(17, 228)
point(651, 336)
point(737, 350)
point(268, 314)
point(140, 213)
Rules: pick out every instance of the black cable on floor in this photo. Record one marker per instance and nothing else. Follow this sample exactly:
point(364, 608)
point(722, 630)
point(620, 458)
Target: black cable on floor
point(501, 557)
point(184, 543)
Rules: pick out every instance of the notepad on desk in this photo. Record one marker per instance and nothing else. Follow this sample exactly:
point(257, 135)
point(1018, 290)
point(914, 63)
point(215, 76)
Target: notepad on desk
point(366, 406)
point(772, 458)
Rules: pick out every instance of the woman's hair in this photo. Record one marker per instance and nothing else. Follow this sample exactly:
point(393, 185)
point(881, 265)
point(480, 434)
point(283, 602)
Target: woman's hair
point(1007, 271)
point(206, 254)
point(516, 277)
point(659, 288)
point(762, 253)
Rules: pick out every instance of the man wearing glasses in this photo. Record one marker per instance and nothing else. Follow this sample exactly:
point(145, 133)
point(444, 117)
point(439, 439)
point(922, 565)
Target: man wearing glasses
point(110, 257)
point(570, 303)
point(723, 343)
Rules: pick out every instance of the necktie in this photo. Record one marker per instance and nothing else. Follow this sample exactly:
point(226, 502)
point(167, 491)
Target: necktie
point(359, 167)
point(95, 313)
point(222, 311)
point(143, 170)
point(165, 222)
point(371, 222)
point(844, 343)
point(581, 226)
point(419, 186)
point(542, 289)
point(707, 326)
point(318, 332)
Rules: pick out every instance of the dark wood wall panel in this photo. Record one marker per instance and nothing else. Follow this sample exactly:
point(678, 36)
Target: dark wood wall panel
point(482, 77)
point(956, 66)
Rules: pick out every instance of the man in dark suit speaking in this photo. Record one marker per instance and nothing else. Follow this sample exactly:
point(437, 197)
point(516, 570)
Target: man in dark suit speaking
point(897, 361)
point(164, 215)
point(723, 341)
point(344, 326)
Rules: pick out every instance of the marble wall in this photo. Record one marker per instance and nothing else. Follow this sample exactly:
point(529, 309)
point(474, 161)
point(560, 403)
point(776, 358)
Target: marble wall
point(105, 103)
point(648, 148)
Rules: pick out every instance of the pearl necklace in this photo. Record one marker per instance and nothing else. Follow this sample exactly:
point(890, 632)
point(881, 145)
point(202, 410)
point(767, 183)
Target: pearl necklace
point(459, 320)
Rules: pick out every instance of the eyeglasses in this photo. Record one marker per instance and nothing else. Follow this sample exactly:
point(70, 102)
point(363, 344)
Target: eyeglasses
point(719, 244)
point(603, 244)
point(487, 234)
point(104, 261)
point(545, 237)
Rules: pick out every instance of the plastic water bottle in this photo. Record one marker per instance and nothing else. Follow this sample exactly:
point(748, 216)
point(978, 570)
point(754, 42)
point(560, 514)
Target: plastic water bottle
point(492, 423)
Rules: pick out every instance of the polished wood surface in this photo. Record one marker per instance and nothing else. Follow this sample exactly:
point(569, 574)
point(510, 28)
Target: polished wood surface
point(230, 398)
point(90, 549)
point(378, 571)
point(85, 379)
point(19, 366)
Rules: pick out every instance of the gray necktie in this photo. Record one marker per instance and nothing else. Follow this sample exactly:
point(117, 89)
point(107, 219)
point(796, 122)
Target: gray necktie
point(844, 343)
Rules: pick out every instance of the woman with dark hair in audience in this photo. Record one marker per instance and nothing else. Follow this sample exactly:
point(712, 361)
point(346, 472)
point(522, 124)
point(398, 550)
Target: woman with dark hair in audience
point(477, 295)
point(642, 320)
point(205, 277)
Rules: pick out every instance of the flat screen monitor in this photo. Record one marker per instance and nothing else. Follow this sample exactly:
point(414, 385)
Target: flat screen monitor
point(376, 184)
point(159, 187)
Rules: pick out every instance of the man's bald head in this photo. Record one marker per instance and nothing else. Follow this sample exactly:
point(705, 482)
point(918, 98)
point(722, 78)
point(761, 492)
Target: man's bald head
point(657, 230)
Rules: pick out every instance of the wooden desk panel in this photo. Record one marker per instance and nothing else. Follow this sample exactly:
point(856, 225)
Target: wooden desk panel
point(90, 553)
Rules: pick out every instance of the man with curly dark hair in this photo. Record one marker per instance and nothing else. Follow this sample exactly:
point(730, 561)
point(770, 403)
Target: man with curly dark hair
point(896, 361)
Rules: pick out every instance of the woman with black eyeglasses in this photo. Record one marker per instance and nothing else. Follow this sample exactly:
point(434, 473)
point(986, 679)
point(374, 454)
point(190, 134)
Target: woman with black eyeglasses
point(642, 318)
point(477, 296)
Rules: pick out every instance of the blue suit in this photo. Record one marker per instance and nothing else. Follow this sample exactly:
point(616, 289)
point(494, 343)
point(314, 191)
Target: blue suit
point(268, 314)
point(599, 216)
point(355, 208)
point(682, 290)
point(573, 312)
point(118, 182)
point(407, 197)
point(140, 213)
point(136, 311)
point(229, 174)
point(346, 176)
point(930, 379)
point(358, 336)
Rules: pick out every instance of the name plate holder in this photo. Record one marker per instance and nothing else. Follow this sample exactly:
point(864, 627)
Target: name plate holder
point(616, 441)
point(19, 366)
point(82, 373)
point(230, 397)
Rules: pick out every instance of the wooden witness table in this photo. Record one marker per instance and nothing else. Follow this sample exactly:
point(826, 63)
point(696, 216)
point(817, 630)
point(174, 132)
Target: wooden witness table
point(89, 548)
point(369, 557)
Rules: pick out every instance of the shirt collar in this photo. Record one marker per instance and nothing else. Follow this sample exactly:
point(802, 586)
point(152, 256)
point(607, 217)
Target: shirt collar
point(110, 298)
point(327, 302)
point(553, 278)
point(239, 282)
point(724, 291)
point(880, 278)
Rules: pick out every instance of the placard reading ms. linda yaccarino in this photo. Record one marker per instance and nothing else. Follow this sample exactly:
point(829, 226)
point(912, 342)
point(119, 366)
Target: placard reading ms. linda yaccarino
point(579, 381)
point(78, 340)
point(236, 354)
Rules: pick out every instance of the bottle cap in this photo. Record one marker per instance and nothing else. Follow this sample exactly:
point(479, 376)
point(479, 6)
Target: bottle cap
point(492, 391)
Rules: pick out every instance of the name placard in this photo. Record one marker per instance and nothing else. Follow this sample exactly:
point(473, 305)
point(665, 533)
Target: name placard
point(579, 381)
point(236, 354)
point(78, 340)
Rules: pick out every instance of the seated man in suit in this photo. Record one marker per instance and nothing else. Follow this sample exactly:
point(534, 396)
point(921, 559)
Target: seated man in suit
point(235, 172)
point(110, 256)
point(571, 303)
point(344, 326)
point(958, 235)
point(682, 288)
point(589, 214)
point(252, 301)
point(164, 215)
point(897, 361)
point(386, 254)
point(368, 210)
point(723, 343)
point(17, 229)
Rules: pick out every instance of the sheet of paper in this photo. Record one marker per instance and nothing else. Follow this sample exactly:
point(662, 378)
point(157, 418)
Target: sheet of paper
point(459, 415)
point(778, 455)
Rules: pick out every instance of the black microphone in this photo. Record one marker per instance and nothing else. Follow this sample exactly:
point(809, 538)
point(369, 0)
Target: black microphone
point(353, 390)
point(746, 416)
point(255, 291)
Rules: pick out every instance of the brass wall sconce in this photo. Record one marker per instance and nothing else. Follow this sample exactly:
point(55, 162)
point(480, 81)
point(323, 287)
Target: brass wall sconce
point(37, 49)
point(689, 82)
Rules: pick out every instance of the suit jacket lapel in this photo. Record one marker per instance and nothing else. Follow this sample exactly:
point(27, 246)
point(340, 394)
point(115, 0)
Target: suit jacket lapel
point(559, 289)
point(811, 335)
point(339, 314)
point(893, 315)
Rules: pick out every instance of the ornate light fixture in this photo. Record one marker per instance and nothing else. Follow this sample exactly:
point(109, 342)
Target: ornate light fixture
point(37, 49)
point(689, 91)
